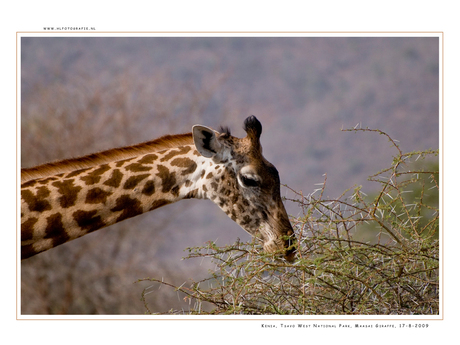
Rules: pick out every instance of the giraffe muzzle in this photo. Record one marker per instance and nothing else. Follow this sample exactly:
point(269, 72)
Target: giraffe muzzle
point(282, 244)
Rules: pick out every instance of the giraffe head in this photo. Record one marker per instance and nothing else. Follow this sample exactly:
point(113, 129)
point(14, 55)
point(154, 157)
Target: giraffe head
point(245, 185)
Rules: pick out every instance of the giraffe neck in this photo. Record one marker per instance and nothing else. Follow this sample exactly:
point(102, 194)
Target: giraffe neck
point(60, 208)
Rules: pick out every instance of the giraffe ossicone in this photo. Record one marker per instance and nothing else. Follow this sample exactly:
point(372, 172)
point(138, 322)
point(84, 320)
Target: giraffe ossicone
point(65, 200)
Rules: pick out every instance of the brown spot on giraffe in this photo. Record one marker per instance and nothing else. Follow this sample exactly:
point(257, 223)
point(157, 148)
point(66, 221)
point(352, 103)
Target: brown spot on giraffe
point(97, 196)
point(55, 229)
point(77, 172)
point(68, 191)
point(136, 167)
point(222, 202)
point(37, 202)
point(88, 221)
point(189, 165)
point(159, 203)
point(27, 251)
point(95, 176)
point(133, 181)
point(27, 229)
point(175, 191)
point(128, 206)
point(168, 179)
point(148, 159)
point(149, 188)
point(115, 179)
point(120, 163)
point(173, 153)
point(47, 180)
point(28, 184)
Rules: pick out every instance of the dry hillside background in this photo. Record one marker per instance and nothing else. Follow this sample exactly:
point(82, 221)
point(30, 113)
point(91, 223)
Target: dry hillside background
point(84, 94)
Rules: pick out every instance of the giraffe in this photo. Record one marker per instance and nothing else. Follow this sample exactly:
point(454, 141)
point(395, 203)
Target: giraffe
point(64, 200)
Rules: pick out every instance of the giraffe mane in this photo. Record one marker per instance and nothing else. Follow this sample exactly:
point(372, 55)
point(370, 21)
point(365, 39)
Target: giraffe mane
point(102, 157)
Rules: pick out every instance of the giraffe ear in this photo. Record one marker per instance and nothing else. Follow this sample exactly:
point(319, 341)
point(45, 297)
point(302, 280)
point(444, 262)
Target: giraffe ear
point(206, 141)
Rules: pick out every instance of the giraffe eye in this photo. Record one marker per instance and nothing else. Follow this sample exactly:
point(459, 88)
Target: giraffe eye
point(248, 181)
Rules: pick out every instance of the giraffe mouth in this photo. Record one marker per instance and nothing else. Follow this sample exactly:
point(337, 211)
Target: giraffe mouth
point(281, 245)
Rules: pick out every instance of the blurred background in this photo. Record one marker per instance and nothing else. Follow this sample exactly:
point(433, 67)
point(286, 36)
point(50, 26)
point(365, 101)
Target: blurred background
point(85, 94)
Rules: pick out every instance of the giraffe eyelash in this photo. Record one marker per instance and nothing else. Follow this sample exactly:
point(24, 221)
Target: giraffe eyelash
point(248, 181)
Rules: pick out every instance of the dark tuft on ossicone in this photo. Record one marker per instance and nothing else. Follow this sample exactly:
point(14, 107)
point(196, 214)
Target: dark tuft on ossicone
point(252, 125)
